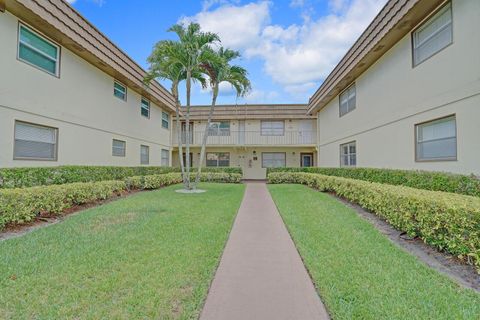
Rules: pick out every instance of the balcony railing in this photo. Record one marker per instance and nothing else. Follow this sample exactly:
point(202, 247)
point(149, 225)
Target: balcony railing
point(253, 138)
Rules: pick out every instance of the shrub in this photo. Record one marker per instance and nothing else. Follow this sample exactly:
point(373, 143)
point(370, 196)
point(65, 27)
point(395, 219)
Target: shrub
point(30, 177)
point(22, 205)
point(428, 180)
point(448, 221)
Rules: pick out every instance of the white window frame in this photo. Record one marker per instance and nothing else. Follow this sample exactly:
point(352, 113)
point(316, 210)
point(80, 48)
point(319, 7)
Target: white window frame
point(40, 35)
point(165, 158)
point(264, 165)
point(144, 147)
point(115, 89)
point(418, 126)
point(217, 154)
point(165, 120)
point(349, 154)
point(55, 131)
point(425, 24)
point(215, 128)
point(267, 128)
point(123, 149)
point(351, 105)
point(145, 105)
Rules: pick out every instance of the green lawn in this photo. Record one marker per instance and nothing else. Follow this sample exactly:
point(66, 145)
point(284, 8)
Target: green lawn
point(359, 273)
point(149, 256)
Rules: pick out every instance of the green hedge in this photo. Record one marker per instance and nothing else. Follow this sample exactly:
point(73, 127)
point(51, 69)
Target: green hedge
point(31, 177)
point(428, 180)
point(448, 221)
point(22, 205)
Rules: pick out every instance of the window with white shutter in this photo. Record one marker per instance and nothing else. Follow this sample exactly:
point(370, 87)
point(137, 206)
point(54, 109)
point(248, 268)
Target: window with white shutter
point(35, 142)
point(272, 128)
point(144, 154)
point(119, 148)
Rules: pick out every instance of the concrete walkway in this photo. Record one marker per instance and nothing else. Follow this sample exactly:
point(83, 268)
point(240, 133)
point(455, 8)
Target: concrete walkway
point(261, 275)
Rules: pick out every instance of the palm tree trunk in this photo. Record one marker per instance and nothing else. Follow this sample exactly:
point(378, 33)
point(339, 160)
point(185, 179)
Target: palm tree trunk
point(187, 131)
point(179, 140)
point(205, 135)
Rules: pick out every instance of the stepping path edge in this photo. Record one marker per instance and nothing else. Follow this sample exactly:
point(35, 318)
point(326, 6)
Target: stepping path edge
point(261, 274)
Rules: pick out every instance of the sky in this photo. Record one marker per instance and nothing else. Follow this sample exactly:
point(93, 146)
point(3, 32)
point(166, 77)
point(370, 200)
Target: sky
point(288, 46)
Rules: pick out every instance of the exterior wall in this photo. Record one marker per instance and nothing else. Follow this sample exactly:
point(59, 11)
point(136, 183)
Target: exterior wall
point(245, 158)
point(392, 96)
point(80, 103)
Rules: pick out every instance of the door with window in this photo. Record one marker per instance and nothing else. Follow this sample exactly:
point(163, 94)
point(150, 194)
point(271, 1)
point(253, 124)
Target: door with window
point(306, 159)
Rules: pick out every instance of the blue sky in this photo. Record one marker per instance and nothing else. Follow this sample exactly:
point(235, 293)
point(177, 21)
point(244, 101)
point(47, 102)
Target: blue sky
point(288, 46)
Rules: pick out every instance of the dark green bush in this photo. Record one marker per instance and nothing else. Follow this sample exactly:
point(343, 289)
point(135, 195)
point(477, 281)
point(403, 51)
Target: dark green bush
point(448, 221)
point(428, 180)
point(30, 177)
point(22, 205)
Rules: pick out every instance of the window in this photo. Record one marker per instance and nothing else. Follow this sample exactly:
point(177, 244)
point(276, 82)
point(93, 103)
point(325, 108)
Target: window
point(165, 158)
point(272, 128)
point(433, 35)
point(219, 128)
point(436, 140)
point(348, 154)
point(144, 154)
point(35, 142)
point(348, 100)
point(120, 91)
point(273, 159)
point(37, 51)
point(165, 120)
point(119, 148)
point(145, 108)
point(218, 159)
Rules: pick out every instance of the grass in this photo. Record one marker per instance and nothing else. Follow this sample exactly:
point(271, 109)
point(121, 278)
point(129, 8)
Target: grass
point(149, 256)
point(359, 273)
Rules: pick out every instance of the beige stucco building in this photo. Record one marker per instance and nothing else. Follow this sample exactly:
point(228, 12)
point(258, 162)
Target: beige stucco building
point(407, 94)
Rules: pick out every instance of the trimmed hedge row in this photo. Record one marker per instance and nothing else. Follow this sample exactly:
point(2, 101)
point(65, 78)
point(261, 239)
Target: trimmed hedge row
point(428, 180)
point(31, 177)
point(448, 221)
point(22, 205)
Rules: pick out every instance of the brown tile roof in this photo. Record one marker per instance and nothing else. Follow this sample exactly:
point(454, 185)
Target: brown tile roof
point(252, 111)
point(395, 20)
point(59, 21)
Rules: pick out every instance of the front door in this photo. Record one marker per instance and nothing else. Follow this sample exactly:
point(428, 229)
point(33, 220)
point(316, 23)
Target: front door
point(306, 160)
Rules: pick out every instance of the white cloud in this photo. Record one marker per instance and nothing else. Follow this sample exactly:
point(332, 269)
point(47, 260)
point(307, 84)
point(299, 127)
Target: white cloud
point(97, 2)
point(260, 96)
point(71, 1)
point(297, 57)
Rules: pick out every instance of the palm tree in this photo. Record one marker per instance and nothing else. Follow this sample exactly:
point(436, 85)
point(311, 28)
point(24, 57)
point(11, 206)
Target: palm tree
point(178, 61)
point(219, 71)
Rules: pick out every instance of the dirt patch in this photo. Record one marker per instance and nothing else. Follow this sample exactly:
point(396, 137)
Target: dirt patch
point(43, 220)
point(443, 262)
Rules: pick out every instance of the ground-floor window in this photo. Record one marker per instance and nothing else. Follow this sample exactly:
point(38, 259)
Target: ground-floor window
point(144, 154)
point(165, 158)
point(436, 140)
point(273, 159)
point(348, 154)
point(35, 142)
point(119, 148)
point(218, 159)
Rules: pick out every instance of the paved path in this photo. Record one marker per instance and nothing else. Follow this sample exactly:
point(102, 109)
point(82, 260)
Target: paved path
point(261, 275)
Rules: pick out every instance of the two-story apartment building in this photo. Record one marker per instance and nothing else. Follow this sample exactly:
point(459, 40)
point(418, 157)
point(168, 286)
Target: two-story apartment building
point(407, 94)
point(68, 95)
point(253, 137)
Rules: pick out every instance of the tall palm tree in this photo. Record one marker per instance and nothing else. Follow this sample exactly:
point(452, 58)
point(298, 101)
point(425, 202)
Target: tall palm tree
point(164, 65)
point(218, 71)
point(194, 53)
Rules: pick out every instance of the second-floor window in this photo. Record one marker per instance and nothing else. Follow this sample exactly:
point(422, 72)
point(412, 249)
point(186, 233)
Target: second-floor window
point(38, 51)
point(433, 35)
point(348, 154)
point(348, 100)
point(218, 159)
point(165, 120)
point(120, 91)
point(272, 128)
point(219, 128)
point(145, 108)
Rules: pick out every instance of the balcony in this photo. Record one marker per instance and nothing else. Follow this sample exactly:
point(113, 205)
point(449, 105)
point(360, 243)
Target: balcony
point(250, 138)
